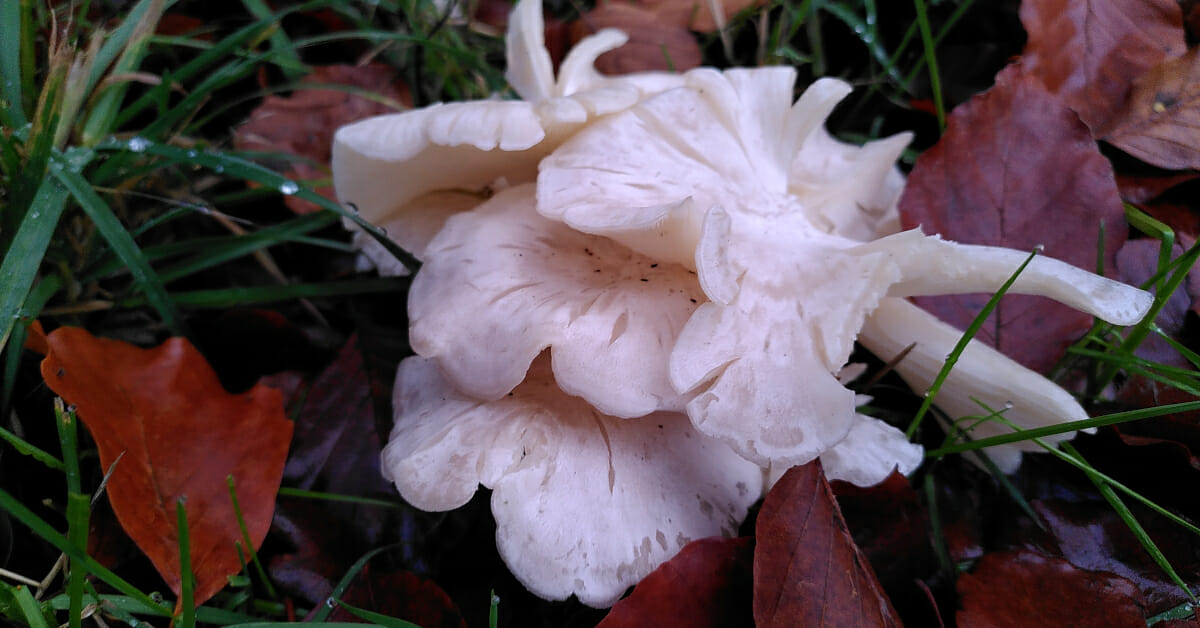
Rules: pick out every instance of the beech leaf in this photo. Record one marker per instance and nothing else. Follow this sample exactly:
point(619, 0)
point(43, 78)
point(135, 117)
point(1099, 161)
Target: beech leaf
point(1088, 52)
point(1017, 168)
point(807, 569)
point(178, 435)
point(706, 584)
point(1161, 122)
point(1024, 588)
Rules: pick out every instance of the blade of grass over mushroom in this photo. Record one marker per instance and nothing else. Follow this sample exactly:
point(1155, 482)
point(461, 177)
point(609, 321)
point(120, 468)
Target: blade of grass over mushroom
point(12, 26)
point(46, 532)
point(1130, 521)
point(968, 334)
point(122, 245)
point(24, 255)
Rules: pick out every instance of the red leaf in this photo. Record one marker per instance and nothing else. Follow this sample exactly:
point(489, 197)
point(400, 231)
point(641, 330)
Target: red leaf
point(1014, 160)
point(1161, 122)
point(1024, 588)
point(706, 584)
point(1090, 51)
point(178, 434)
point(807, 569)
point(303, 124)
point(400, 594)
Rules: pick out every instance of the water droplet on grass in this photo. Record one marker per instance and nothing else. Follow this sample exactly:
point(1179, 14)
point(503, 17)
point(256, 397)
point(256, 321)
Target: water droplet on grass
point(139, 144)
point(289, 187)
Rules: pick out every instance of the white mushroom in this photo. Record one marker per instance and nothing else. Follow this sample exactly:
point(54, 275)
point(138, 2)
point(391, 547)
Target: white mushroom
point(408, 172)
point(502, 283)
point(981, 376)
point(585, 504)
point(789, 284)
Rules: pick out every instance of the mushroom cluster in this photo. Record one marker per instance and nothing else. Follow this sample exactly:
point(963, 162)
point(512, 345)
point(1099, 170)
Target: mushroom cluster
point(638, 294)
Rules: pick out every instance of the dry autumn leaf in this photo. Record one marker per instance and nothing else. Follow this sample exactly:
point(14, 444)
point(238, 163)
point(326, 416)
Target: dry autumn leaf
point(1024, 588)
point(654, 44)
point(1161, 122)
point(706, 584)
point(807, 569)
point(1012, 161)
point(1089, 52)
point(174, 433)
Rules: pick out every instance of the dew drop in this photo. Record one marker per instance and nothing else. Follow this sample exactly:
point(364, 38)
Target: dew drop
point(330, 602)
point(289, 187)
point(1041, 248)
point(139, 144)
point(192, 154)
point(1008, 405)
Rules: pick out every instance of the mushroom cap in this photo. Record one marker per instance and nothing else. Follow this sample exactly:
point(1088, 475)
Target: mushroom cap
point(585, 504)
point(408, 172)
point(501, 283)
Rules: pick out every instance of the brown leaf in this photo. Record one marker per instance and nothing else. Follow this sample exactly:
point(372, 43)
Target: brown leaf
point(708, 583)
point(1089, 52)
point(1024, 588)
point(303, 124)
point(400, 594)
point(654, 44)
point(1013, 161)
point(177, 435)
point(807, 569)
point(1145, 188)
point(1160, 123)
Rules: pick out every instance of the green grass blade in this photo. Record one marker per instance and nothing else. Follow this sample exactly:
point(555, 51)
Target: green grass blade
point(122, 245)
point(378, 619)
point(1070, 426)
point(285, 54)
point(37, 299)
point(187, 587)
point(30, 609)
point(46, 532)
point(26, 449)
point(101, 121)
point(970, 332)
point(344, 583)
point(12, 98)
point(24, 256)
point(230, 297)
point(335, 497)
point(249, 545)
point(935, 78)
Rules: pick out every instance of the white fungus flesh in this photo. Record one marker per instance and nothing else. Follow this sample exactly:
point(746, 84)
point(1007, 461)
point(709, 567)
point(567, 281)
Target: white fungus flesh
point(586, 504)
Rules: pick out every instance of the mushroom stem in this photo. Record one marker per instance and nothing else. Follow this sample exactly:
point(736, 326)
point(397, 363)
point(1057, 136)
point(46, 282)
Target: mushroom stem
point(935, 266)
point(982, 375)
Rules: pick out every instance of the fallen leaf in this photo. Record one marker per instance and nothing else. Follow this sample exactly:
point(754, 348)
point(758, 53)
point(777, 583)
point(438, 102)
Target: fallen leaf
point(178, 436)
point(1093, 537)
point(697, 15)
point(1137, 262)
point(654, 44)
point(1024, 588)
point(1088, 52)
point(1013, 160)
point(1160, 123)
point(807, 569)
point(303, 124)
point(1145, 188)
point(336, 448)
point(708, 583)
point(402, 595)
